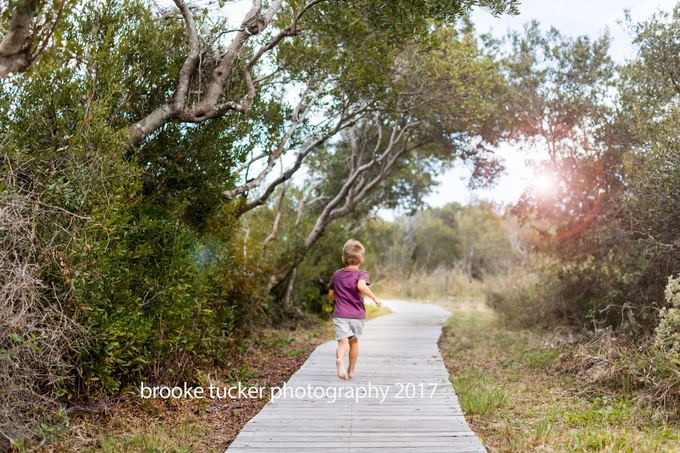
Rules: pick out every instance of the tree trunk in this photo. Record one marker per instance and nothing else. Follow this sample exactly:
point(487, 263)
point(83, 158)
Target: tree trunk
point(289, 289)
point(14, 56)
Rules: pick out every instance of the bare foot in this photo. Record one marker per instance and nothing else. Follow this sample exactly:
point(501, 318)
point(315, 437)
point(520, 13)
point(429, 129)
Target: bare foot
point(341, 369)
point(350, 374)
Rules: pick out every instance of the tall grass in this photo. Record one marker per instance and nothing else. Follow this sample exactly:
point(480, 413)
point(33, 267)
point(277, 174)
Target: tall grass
point(626, 361)
point(441, 284)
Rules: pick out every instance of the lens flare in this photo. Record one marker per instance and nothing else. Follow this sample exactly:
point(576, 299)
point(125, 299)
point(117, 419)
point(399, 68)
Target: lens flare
point(544, 182)
point(206, 252)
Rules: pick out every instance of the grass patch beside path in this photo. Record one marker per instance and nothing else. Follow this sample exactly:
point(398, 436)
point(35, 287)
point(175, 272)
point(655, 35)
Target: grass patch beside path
point(373, 311)
point(515, 401)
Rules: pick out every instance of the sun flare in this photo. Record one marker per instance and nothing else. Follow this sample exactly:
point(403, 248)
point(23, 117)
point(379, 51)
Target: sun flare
point(544, 182)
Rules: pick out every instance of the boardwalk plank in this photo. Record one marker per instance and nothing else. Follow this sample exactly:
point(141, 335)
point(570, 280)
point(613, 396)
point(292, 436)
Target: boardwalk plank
point(400, 348)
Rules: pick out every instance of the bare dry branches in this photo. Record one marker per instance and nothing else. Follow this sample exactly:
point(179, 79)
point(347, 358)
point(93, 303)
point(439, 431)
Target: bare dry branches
point(279, 213)
point(362, 180)
point(355, 189)
point(36, 336)
point(299, 116)
point(342, 123)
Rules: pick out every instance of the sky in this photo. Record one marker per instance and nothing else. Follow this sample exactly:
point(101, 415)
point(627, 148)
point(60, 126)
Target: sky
point(571, 18)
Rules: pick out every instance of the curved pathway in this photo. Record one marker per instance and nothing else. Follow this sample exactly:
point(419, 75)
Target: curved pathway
point(391, 405)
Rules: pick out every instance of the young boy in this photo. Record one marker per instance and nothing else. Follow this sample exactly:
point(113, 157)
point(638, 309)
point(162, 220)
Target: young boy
point(347, 288)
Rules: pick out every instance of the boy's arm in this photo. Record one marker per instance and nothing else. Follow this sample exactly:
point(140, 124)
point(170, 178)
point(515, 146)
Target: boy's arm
point(363, 288)
point(331, 294)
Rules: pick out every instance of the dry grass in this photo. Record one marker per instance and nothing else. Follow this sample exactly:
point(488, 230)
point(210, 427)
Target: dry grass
point(620, 364)
point(441, 284)
point(516, 400)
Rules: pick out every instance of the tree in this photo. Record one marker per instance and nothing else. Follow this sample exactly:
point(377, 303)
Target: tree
point(485, 245)
point(445, 110)
point(559, 100)
point(28, 27)
point(274, 24)
point(608, 221)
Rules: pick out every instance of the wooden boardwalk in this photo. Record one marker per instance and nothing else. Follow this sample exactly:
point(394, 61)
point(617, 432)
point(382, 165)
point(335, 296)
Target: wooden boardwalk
point(399, 348)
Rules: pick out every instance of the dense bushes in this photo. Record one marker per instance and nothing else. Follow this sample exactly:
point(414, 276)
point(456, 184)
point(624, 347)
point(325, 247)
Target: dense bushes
point(102, 283)
point(146, 250)
point(647, 372)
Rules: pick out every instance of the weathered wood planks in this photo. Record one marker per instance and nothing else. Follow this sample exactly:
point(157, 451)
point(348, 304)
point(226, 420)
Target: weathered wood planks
point(397, 352)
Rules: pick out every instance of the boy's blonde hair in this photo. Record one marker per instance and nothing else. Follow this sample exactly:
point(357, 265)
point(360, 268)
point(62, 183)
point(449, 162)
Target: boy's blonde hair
point(353, 252)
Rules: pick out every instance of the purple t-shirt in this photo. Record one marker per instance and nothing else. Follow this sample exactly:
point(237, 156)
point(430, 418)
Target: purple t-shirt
point(349, 303)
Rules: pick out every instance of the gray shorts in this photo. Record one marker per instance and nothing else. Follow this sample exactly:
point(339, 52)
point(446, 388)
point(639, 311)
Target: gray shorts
point(348, 328)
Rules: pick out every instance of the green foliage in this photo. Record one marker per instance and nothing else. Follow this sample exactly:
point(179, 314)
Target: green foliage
point(454, 115)
point(486, 241)
point(148, 299)
point(134, 271)
point(415, 257)
point(540, 359)
point(649, 82)
point(436, 242)
point(469, 237)
point(397, 18)
point(605, 228)
point(559, 98)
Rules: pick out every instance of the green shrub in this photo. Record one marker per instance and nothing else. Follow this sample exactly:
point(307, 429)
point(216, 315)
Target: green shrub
point(146, 275)
point(668, 331)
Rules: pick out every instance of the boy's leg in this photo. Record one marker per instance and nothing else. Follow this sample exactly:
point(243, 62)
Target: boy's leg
point(353, 354)
point(343, 346)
